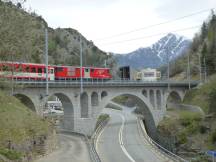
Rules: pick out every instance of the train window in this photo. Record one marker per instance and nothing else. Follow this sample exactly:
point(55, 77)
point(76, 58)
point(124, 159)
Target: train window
point(33, 70)
point(5, 68)
point(51, 71)
point(59, 69)
point(92, 70)
point(27, 69)
point(44, 70)
point(39, 70)
point(86, 70)
point(149, 74)
point(19, 68)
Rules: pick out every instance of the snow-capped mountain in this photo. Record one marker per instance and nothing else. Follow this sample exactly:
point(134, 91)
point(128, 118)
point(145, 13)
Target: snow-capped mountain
point(167, 48)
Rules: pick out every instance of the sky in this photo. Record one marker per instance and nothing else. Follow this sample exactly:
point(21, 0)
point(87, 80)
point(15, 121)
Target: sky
point(110, 24)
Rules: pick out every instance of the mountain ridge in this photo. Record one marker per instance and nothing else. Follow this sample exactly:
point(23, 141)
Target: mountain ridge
point(170, 46)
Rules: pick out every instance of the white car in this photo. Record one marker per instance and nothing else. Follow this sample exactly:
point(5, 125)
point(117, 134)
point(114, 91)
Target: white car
point(54, 112)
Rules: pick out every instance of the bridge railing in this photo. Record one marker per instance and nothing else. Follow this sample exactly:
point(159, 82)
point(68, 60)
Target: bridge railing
point(90, 81)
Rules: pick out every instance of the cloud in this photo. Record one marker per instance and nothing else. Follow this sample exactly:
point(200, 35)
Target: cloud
point(104, 18)
point(176, 8)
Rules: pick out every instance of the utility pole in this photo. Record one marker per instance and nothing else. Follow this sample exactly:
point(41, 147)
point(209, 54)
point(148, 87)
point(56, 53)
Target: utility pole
point(12, 75)
point(81, 73)
point(168, 71)
point(46, 61)
point(200, 67)
point(188, 73)
point(205, 73)
point(105, 63)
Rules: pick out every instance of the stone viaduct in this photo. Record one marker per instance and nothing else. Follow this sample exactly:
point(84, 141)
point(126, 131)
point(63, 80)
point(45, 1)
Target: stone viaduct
point(82, 109)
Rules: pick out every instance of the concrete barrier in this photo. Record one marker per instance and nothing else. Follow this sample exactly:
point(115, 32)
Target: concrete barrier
point(187, 107)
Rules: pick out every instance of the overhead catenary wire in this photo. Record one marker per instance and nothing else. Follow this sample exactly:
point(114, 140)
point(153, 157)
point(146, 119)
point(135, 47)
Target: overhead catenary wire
point(154, 25)
point(149, 36)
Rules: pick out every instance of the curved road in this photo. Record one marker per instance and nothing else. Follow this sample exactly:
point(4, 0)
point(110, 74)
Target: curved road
point(72, 149)
point(122, 140)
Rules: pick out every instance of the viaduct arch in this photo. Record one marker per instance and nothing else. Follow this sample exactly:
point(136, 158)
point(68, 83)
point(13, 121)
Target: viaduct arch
point(68, 117)
point(27, 101)
point(173, 97)
point(143, 105)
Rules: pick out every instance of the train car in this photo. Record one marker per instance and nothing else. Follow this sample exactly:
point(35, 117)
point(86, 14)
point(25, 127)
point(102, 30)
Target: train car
point(25, 71)
point(31, 71)
point(71, 72)
point(148, 75)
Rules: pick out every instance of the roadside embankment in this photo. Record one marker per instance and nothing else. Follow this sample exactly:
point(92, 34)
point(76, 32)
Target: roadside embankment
point(187, 133)
point(189, 129)
point(23, 134)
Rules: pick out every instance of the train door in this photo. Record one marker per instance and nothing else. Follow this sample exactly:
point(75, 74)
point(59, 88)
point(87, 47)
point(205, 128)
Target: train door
point(51, 73)
point(87, 73)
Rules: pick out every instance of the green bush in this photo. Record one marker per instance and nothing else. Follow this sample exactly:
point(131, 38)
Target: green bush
point(186, 118)
point(101, 119)
point(11, 154)
point(120, 99)
point(200, 158)
point(212, 100)
point(193, 128)
point(182, 137)
point(213, 137)
point(202, 129)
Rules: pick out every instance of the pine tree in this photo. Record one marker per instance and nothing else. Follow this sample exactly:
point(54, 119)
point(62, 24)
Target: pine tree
point(203, 53)
point(212, 43)
point(204, 31)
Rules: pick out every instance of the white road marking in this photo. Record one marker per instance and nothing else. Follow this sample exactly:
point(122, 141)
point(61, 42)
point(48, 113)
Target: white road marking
point(121, 139)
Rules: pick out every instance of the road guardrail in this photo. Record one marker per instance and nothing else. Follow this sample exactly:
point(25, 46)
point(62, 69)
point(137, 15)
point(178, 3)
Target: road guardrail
point(163, 150)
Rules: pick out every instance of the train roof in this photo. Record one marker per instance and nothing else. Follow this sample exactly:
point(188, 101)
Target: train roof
point(37, 64)
point(10, 62)
point(92, 67)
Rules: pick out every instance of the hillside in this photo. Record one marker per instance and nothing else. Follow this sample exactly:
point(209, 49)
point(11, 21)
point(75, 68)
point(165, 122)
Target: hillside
point(22, 39)
point(21, 129)
point(170, 46)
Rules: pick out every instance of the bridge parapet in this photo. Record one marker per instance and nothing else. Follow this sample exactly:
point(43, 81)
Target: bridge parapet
point(110, 83)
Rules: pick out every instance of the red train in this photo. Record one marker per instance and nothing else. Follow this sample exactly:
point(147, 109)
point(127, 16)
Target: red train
point(31, 71)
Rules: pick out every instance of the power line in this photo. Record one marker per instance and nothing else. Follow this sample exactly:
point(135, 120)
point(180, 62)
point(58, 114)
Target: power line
point(149, 36)
point(150, 26)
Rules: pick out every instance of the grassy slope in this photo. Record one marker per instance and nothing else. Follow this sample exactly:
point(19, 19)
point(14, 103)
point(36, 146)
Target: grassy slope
point(190, 130)
point(200, 95)
point(18, 123)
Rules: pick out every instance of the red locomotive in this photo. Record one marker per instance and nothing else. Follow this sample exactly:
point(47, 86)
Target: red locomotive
point(31, 71)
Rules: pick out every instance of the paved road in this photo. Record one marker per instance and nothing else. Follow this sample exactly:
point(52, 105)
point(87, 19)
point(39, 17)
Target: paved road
point(122, 140)
point(72, 149)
